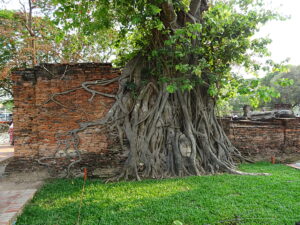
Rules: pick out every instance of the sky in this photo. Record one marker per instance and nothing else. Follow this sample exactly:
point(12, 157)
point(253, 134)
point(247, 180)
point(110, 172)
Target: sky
point(285, 34)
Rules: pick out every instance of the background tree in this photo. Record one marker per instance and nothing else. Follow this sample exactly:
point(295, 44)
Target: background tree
point(28, 39)
point(280, 81)
point(255, 93)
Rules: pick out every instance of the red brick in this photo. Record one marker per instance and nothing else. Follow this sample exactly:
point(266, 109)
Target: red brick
point(36, 123)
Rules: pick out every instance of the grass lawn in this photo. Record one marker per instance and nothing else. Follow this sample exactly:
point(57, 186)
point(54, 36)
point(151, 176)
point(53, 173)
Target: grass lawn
point(193, 200)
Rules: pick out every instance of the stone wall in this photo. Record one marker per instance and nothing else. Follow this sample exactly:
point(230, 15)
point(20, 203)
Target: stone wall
point(39, 123)
point(260, 140)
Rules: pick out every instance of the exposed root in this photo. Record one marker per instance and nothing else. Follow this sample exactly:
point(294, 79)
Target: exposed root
point(168, 135)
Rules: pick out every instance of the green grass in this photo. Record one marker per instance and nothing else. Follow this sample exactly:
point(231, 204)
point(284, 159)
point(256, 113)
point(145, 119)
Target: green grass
point(193, 200)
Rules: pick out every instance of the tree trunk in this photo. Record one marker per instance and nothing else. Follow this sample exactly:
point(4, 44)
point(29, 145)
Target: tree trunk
point(170, 134)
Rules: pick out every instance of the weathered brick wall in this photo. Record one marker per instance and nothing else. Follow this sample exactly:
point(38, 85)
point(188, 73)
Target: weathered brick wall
point(38, 123)
point(260, 140)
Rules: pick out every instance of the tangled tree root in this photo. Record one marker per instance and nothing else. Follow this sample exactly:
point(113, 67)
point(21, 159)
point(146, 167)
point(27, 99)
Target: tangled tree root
point(168, 135)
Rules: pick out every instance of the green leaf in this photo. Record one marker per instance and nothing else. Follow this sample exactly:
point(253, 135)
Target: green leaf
point(213, 91)
point(171, 88)
point(197, 71)
point(154, 9)
point(284, 82)
point(254, 83)
point(6, 14)
point(160, 26)
point(59, 37)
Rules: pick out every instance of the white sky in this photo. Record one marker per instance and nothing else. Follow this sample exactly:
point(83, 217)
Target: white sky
point(285, 34)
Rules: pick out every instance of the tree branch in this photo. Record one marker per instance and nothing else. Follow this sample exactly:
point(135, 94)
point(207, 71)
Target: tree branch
point(197, 7)
point(7, 90)
point(194, 7)
point(29, 30)
point(169, 15)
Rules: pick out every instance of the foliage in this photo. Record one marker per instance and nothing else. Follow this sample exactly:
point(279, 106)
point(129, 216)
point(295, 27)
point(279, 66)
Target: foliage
point(249, 199)
point(223, 39)
point(224, 108)
point(8, 104)
point(287, 84)
point(248, 92)
point(24, 40)
point(29, 37)
point(52, 45)
point(260, 93)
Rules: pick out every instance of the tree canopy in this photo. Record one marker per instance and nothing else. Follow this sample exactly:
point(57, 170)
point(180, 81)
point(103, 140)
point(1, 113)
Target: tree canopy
point(223, 35)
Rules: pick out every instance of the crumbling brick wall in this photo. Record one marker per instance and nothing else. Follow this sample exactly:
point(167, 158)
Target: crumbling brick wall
point(260, 140)
point(40, 123)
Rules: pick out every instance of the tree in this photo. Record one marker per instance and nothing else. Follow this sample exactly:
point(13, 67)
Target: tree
point(28, 39)
point(287, 84)
point(252, 92)
point(178, 65)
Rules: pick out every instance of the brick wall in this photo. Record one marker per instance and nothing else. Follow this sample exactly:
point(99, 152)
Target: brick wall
point(39, 123)
point(260, 140)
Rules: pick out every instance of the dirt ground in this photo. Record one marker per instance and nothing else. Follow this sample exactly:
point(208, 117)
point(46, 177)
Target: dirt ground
point(22, 181)
point(19, 181)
